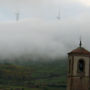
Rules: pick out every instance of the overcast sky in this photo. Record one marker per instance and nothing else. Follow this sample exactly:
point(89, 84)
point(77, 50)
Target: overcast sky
point(39, 32)
point(45, 9)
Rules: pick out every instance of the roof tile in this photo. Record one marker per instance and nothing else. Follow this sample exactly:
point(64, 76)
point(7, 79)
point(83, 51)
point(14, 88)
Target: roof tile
point(80, 50)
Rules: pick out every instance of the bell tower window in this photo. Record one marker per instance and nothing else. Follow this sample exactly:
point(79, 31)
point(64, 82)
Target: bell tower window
point(81, 66)
point(70, 66)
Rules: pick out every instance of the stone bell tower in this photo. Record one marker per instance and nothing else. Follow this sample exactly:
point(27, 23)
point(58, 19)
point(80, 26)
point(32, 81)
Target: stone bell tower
point(78, 69)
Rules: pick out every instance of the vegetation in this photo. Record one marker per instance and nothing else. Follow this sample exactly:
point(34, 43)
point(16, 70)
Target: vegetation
point(34, 75)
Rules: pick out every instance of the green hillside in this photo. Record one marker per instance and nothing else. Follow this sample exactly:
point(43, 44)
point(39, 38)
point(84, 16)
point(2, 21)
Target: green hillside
point(34, 75)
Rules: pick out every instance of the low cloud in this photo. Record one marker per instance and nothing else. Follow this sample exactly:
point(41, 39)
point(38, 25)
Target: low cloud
point(40, 38)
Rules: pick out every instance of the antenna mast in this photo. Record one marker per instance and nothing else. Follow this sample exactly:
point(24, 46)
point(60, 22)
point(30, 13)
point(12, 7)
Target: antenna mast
point(17, 16)
point(58, 17)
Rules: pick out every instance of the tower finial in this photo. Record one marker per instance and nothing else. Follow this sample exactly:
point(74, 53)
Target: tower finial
point(80, 42)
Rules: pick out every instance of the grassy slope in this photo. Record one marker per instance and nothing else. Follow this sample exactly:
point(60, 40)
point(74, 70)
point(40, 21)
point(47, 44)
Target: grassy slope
point(36, 75)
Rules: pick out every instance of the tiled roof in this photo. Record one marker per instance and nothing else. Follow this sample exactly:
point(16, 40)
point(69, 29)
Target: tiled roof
point(80, 50)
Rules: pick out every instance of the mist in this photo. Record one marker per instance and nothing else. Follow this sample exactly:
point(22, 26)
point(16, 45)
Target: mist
point(38, 33)
point(37, 38)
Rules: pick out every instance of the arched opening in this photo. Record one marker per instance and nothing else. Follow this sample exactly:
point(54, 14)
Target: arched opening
point(81, 66)
point(70, 66)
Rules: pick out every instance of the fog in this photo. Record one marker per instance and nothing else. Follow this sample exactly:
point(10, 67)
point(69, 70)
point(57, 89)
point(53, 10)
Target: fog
point(38, 33)
point(39, 38)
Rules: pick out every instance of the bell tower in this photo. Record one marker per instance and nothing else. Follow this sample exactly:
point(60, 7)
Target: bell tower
point(78, 69)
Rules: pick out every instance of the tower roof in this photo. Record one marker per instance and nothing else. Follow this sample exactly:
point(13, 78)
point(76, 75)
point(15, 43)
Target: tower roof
point(80, 51)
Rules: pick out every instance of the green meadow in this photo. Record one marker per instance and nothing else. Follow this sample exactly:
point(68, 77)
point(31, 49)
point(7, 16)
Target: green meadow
point(34, 75)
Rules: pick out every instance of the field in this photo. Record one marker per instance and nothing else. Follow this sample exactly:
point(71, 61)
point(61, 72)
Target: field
point(34, 75)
